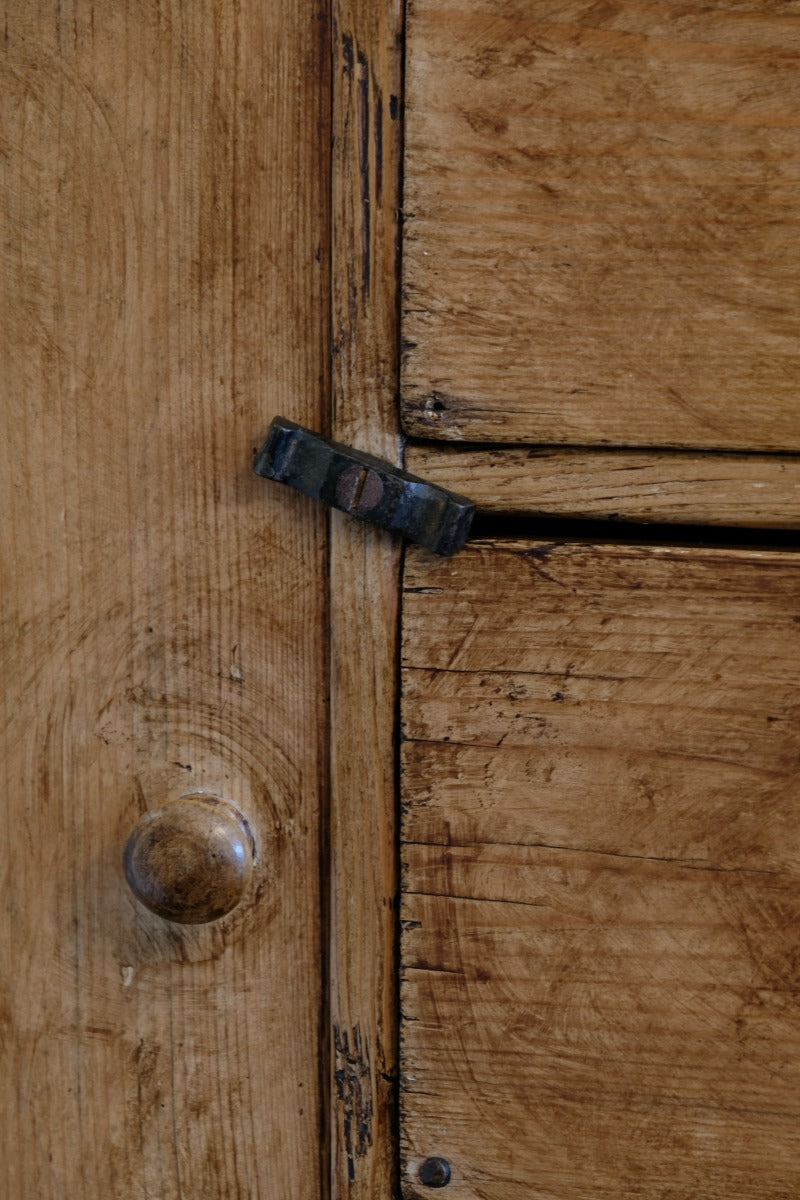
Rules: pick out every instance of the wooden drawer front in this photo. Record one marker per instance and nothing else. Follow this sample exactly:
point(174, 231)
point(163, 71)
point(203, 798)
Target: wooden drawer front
point(601, 205)
point(601, 872)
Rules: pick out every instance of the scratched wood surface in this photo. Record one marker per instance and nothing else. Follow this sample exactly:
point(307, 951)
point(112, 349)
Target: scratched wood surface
point(601, 223)
point(601, 896)
point(756, 491)
point(164, 268)
point(365, 587)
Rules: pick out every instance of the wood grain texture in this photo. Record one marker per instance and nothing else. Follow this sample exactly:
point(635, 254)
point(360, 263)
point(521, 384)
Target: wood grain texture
point(165, 208)
point(601, 897)
point(365, 585)
point(601, 209)
point(756, 491)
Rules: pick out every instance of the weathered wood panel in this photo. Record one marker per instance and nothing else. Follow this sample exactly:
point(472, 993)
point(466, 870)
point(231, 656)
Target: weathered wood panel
point(164, 268)
point(756, 491)
point(601, 223)
point(365, 588)
point(601, 896)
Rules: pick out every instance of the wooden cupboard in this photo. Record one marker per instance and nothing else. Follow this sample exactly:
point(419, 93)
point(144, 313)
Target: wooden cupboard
point(599, 251)
point(201, 210)
point(599, 933)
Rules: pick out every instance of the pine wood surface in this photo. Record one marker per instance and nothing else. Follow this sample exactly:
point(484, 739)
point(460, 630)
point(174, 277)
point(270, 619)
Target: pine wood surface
point(365, 587)
point(600, 903)
point(600, 223)
point(165, 273)
point(743, 490)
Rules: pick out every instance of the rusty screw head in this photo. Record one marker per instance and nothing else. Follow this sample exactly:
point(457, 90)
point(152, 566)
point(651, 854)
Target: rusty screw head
point(435, 1172)
point(359, 490)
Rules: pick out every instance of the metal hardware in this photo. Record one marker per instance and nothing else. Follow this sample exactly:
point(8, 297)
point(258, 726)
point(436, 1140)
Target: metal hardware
point(365, 487)
point(435, 1172)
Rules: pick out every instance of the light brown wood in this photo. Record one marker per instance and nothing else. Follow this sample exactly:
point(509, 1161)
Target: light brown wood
point(600, 853)
point(165, 207)
point(746, 490)
point(365, 583)
point(600, 236)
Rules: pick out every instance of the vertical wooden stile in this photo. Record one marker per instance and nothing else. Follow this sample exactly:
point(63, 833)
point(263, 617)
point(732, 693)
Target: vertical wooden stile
point(364, 575)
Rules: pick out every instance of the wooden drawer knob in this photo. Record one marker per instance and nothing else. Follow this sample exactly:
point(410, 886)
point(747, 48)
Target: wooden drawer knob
point(191, 860)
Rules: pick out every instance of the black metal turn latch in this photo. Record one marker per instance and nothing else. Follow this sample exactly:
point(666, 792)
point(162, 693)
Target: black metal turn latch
point(365, 487)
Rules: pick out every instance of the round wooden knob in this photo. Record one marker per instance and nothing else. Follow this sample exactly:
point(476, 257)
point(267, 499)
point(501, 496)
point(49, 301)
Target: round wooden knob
point(191, 860)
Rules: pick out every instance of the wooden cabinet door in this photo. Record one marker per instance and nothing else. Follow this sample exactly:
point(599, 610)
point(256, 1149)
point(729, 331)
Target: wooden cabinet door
point(165, 217)
point(601, 897)
point(600, 214)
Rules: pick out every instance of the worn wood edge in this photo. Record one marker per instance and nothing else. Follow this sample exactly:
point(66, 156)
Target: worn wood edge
point(365, 566)
point(755, 491)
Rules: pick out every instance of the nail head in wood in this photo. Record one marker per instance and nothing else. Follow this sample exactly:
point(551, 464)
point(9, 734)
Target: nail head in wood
point(435, 1172)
